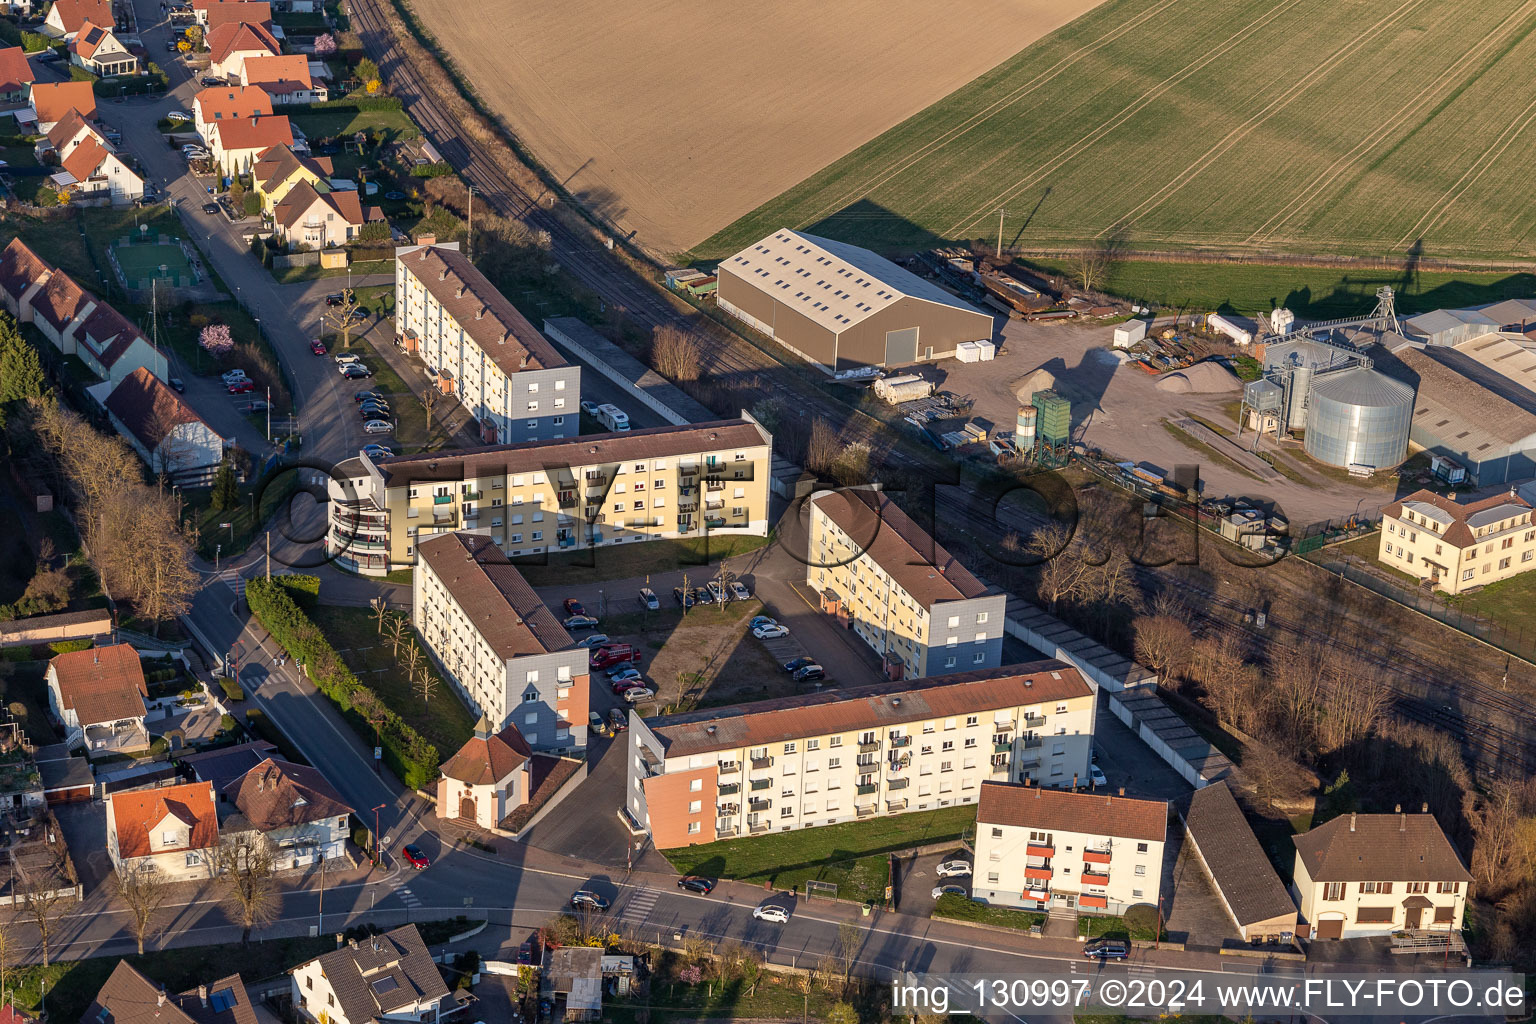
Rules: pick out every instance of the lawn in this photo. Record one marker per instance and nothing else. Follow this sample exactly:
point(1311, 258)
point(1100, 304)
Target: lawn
point(627, 561)
point(443, 720)
point(324, 123)
point(851, 854)
point(1509, 603)
point(315, 272)
point(245, 522)
point(1171, 125)
point(1133, 928)
point(26, 699)
point(958, 908)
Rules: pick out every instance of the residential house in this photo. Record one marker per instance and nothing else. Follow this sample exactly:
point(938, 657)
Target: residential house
point(167, 433)
point(294, 806)
point(71, 131)
point(224, 765)
point(236, 145)
point(1458, 544)
point(15, 75)
point(380, 979)
point(896, 587)
point(130, 998)
point(571, 981)
point(23, 273)
point(112, 346)
point(498, 644)
point(848, 754)
point(98, 51)
point(280, 169)
point(226, 103)
point(98, 697)
point(232, 43)
point(548, 496)
point(319, 220)
point(488, 779)
point(51, 101)
point(242, 12)
point(1365, 875)
point(96, 171)
point(478, 347)
point(174, 828)
point(1042, 849)
point(57, 308)
point(1245, 881)
point(68, 17)
point(284, 79)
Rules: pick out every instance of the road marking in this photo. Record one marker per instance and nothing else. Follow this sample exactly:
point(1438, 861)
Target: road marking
point(639, 906)
point(407, 897)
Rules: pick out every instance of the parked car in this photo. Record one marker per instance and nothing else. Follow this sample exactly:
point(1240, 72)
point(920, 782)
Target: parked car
point(211, 209)
point(335, 298)
point(342, 358)
point(598, 725)
point(682, 597)
point(617, 720)
point(48, 57)
point(772, 632)
point(619, 686)
point(1097, 774)
point(796, 664)
point(240, 387)
point(623, 673)
point(589, 407)
point(717, 592)
point(639, 694)
point(809, 674)
point(694, 883)
point(738, 591)
point(230, 376)
point(179, 115)
point(177, 384)
point(771, 912)
point(762, 620)
point(378, 451)
point(170, 46)
point(580, 622)
point(211, 80)
point(375, 406)
point(592, 640)
point(415, 857)
point(648, 599)
point(702, 596)
point(585, 899)
point(949, 890)
point(317, 347)
point(1106, 949)
point(378, 427)
point(529, 952)
point(374, 412)
point(573, 607)
point(356, 371)
point(363, 396)
point(955, 868)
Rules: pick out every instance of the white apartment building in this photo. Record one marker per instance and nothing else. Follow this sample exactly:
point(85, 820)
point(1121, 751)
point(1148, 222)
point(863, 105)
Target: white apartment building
point(891, 583)
point(542, 497)
point(1361, 875)
point(1040, 849)
point(1457, 545)
point(479, 348)
point(499, 646)
point(843, 755)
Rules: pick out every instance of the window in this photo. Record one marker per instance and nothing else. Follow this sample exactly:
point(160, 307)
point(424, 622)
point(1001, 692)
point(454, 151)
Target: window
point(168, 838)
point(531, 718)
point(834, 763)
point(693, 828)
point(789, 748)
point(997, 833)
point(1141, 847)
point(1445, 887)
point(813, 744)
point(696, 785)
point(1333, 891)
point(694, 806)
point(835, 741)
point(530, 696)
point(1418, 887)
point(1375, 887)
point(1141, 871)
point(992, 877)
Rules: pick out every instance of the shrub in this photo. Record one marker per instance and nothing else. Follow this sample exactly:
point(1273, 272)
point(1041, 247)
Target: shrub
point(407, 753)
point(251, 204)
point(23, 653)
point(325, 44)
point(253, 715)
point(216, 338)
point(232, 690)
point(67, 646)
point(227, 722)
point(436, 170)
point(34, 42)
point(305, 590)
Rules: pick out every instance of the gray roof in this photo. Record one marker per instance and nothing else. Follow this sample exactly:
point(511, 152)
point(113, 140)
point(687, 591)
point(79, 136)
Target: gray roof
point(1231, 852)
point(1510, 312)
point(1362, 387)
point(382, 973)
point(1380, 848)
point(1464, 406)
point(498, 602)
point(1438, 320)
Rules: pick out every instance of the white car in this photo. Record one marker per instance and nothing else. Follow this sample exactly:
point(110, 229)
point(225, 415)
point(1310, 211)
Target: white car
point(343, 358)
point(770, 632)
point(233, 376)
point(771, 912)
point(739, 592)
point(648, 598)
point(1097, 774)
point(589, 407)
point(178, 115)
point(592, 640)
point(953, 869)
point(717, 592)
point(636, 694)
point(194, 153)
point(378, 427)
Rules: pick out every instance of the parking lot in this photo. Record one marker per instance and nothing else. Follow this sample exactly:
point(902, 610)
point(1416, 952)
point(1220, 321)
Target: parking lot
point(916, 878)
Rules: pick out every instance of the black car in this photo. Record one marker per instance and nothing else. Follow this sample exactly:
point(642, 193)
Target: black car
point(682, 597)
point(374, 403)
point(1106, 949)
point(363, 396)
point(356, 371)
point(211, 209)
point(211, 80)
point(585, 899)
point(809, 673)
point(336, 299)
point(177, 384)
point(796, 664)
point(694, 883)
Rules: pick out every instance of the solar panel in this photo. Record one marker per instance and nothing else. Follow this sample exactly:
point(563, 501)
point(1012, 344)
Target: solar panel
point(223, 999)
point(385, 985)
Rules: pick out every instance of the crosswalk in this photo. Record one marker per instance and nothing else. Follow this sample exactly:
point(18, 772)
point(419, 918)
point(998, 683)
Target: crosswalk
point(639, 906)
point(407, 897)
point(233, 580)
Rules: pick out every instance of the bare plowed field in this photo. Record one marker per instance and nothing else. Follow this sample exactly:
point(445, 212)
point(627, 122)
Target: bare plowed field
point(676, 118)
point(1282, 126)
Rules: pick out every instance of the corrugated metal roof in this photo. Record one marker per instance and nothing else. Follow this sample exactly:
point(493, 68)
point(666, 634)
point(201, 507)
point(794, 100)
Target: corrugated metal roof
point(1504, 356)
point(1362, 387)
point(833, 283)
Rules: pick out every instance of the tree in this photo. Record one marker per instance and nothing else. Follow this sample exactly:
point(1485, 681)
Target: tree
point(244, 865)
point(429, 399)
point(10, 952)
point(343, 318)
point(1063, 572)
point(380, 611)
point(325, 45)
point(226, 490)
point(849, 939)
point(395, 631)
point(194, 35)
point(367, 71)
point(44, 891)
point(674, 353)
point(142, 889)
point(1162, 644)
point(425, 680)
point(216, 339)
point(842, 1013)
point(21, 371)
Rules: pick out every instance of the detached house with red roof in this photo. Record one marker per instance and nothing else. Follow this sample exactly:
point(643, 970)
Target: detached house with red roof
point(320, 220)
point(52, 101)
point(67, 17)
point(285, 79)
point(226, 103)
point(295, 807)
point(100, 52)
point(237, 145)
point(15, 75)
point(231, 43)
point(488, 779)
point(98, 697)
point(168, 435)
point(93, 171)
point(23, 273)
point(173, 828)
point(1455, 544)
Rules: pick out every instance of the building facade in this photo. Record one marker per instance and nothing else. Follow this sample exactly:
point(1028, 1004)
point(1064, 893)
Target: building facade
point(373, 980)
point(98, 697)
point(487, 779)
point(166, 432)
point(478, 347)
point(500, 648)
point(898, 589)
point(173, 828)
point(544, 497)
point(1041, 849)
point(296, 808)
point(1363, 875)
point(1456, 545)
point(845, 755)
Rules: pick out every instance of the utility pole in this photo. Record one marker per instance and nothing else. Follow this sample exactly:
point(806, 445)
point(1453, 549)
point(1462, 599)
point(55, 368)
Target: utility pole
point(269, 414)
point(1000, 213)
point(469, 237)
point(320, 930)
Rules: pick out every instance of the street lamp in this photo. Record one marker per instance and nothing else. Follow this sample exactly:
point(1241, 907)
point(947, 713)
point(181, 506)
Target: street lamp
point(376, 811)
point(216, 549)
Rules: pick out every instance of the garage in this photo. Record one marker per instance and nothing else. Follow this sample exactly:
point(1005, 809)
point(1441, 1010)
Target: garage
point(1331, 929)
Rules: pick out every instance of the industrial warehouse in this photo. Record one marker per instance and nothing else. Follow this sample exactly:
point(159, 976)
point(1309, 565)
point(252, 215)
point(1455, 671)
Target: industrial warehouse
point(842, 307)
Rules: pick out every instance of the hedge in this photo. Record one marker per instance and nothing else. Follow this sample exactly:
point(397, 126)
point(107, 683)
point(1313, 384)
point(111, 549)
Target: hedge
point(356, 104)
point(437, 170)
point(67, 646)
point(127, 85)
point(231, 689)
point(406, 752)
point(305, 590)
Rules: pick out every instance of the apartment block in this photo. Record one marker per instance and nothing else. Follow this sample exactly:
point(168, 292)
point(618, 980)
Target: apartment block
point(886, 579)
point(845, 755)
point(479, 348)
point(1043, 849)
point(542, 497)
point(1455, 545)
point(500, 648)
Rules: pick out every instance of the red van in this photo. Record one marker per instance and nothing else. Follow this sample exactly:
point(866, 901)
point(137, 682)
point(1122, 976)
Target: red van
point(613, 654)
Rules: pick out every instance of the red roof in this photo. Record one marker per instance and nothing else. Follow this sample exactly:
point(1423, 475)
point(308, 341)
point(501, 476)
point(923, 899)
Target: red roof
point(75, 13)
point(487, 759)
point(60, 301)
point(52, 100)
point(20, 268)
point(107, 334)
point(67, 128)
point(289, 69)
point(90, 39)
point(133, 814)
point(101, 685)
point(236, 36)
point(254, 132)
point(85, 158)
point(15, 72)
point(148, 409)
point(225, 103)
point(247, 12)
point(1095, 814)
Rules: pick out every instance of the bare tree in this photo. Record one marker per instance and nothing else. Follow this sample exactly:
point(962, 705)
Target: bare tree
point(44, 893)
point(1063, 572)
point(674, 353)
point(414, 659)
point(244, 865)
point(429, 399)
point(426, 682)
point(395, 631)
point(380, 611)
point(822, 451)
point(10, 953)
point(1162, 644)
point(1093, 263)
point(343, 318)
point(142, 889)
point(1506, 834)
point(849, 940)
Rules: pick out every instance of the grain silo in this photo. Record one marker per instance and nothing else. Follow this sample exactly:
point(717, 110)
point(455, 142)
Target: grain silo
point(1358, 417)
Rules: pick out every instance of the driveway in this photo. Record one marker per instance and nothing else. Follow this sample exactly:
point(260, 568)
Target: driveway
point(916, 877)
point(1130, 764)
point(587, 822)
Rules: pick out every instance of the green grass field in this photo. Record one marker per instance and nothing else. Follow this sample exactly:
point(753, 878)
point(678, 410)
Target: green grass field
point(1282, 126)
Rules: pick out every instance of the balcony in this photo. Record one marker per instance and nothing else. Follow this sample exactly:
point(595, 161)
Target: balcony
point(900, 761)
point(1033, 742)
point(901, 741)
point(868, 789)
point(758, 827)
point(471, 514)
point(758, 785)
point(898, 784)
point(714, 506)
point(1037, 874)
point(1096, 856)
point(1040, 850)
point(1093, 902)
point(442, 499)
point(440, 518)
point(893, 806)
point(729, 767)
point(1002, 748)
point(724, 827)
point(864, 810)
point(760, 763)
point(470, 496)
point(869, 747)
point(759, 804)
point(1034, 721)
point(1089, 878)
point(729, 809)
point(730, 788)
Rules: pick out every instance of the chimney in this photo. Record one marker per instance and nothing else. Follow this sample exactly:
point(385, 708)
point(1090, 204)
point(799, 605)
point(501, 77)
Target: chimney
point(160, 998)
point(443, 276)
point(1424, 807)
point(1122, 791)
point(1352, 817)
point(1397, 809)
point(426, 238)
point(460, 293)
point(202, 994)
point(480, 315)
point(338, 940)
point(1402, 823)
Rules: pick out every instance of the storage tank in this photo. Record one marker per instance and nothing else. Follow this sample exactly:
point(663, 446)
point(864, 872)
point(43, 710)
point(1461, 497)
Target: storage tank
point(1024, 428)
point(1358, 417)
point(907, 387)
